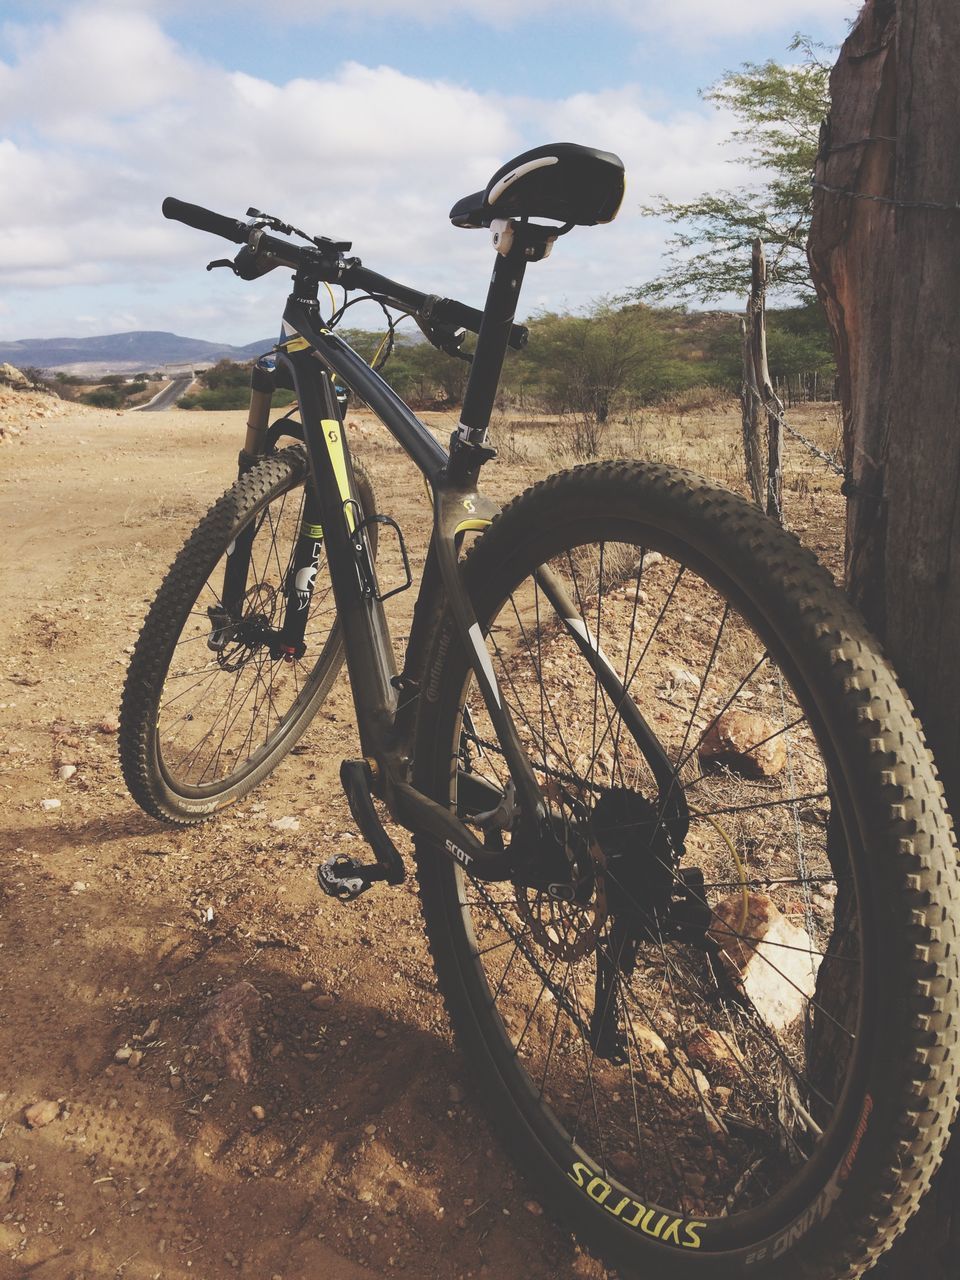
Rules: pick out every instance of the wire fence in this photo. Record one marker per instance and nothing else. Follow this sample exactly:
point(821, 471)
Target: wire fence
point(759, 398)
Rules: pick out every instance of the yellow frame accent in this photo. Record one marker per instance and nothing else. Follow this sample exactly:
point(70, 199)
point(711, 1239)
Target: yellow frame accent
point(333, 435)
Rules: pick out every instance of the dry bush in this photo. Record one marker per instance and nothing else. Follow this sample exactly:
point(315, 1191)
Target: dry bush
point(511, 448)
point(697, 399)
point(578, 437)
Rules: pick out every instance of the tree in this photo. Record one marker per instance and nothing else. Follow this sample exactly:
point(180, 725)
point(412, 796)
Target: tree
point(586, 364)
point(780, 108)
point(884, 254)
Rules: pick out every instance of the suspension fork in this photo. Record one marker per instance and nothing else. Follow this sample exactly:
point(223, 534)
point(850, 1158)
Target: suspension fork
point(229, 608)
point(301, 575)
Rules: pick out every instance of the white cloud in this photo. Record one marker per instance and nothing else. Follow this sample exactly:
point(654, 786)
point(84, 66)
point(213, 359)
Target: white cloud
point(106, 115)
point(81, 77)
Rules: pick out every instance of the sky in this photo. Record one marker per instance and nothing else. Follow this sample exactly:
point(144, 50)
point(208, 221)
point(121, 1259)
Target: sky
point(362, 120)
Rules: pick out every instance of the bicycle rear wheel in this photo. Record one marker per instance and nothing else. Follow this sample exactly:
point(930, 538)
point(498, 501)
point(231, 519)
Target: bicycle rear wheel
point(731, 1053)
point(207, 711)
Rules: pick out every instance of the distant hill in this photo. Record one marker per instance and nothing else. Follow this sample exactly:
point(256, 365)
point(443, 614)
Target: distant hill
point(143, 350)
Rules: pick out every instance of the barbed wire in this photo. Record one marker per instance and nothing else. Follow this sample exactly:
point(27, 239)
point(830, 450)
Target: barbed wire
point(776, 410)
point(899, 204)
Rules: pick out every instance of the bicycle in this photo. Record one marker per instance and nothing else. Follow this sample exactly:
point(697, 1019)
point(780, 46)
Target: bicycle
point(685, 866)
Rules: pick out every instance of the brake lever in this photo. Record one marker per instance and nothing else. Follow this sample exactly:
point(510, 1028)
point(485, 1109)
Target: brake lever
point(221, 262)
point(288, 229)
point(445, 338)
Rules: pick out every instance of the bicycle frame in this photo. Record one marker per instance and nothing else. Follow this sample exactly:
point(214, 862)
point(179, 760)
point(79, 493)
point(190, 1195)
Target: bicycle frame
point(385, 701)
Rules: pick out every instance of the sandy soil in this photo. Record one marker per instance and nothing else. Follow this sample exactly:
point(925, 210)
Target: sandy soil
point(366, 1155)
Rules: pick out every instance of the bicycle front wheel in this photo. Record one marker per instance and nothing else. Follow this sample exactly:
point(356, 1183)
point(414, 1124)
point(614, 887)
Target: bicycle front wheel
point(208, 710)
point(730, 1052)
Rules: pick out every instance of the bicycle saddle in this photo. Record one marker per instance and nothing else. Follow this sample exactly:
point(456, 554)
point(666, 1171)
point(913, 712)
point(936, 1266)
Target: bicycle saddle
point(561, 181)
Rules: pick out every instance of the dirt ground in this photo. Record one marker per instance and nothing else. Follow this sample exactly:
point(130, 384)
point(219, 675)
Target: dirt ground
point(355, 1149)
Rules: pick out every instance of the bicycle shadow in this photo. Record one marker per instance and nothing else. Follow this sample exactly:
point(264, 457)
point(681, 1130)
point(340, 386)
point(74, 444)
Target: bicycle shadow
point(353, 1148)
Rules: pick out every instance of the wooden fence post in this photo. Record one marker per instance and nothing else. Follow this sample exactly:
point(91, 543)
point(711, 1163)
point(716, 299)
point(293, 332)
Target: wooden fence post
point(758, 393)
point(750, 406)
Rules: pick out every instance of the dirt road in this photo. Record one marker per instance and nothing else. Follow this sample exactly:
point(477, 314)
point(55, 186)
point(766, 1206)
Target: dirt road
point(355, 1149)
point(370, 1158)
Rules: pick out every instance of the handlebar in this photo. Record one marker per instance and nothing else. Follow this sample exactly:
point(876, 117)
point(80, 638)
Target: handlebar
point(262, 252)
point(206, 220)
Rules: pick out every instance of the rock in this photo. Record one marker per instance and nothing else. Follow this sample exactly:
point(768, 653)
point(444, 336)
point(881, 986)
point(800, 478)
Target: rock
point(13, 377)
point(456, 1093)
point(8, 1180)
point(745, 744)
point(286, 824)
point(123, 1054)
point(681, 1083)
point(66, 772)
point(715, 1053)
point(152, 1029)
point(109, 724)
point(771, 959)
point(39, 1114)
point(49, 806)
point(647, 1040)
point(135, 1059)
point(624, 1164)
point(322, 1002)
point(175, 1083)
point(682, 677)
point(225, 1028)
point(78, 886)
point(531, 1206)
point(258, 1112)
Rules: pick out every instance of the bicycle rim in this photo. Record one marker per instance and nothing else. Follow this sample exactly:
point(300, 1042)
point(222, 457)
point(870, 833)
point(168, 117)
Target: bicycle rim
point(689, 1050)
point(226, 703)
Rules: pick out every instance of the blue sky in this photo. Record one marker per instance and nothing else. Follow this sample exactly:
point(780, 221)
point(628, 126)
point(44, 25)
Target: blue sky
point(540, 55)
point(362, 119)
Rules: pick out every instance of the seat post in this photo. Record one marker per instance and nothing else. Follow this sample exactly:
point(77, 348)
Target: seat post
point(498, 315)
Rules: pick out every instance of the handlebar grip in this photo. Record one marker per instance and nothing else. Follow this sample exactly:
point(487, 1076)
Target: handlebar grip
point(218, 224)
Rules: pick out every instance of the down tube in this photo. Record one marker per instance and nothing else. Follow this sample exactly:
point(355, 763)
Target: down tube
point(366, 637)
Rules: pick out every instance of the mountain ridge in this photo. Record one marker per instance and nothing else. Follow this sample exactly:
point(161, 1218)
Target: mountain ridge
point(135, 351)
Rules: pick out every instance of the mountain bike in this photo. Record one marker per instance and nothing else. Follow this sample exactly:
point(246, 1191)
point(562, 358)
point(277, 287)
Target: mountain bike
point(684, 862)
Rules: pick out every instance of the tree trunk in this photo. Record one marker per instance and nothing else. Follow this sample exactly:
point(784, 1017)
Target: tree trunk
point(888, 271)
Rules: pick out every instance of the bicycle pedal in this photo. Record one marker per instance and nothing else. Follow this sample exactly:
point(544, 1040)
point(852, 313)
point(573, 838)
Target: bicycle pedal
point(344, 878)
point(220, 628)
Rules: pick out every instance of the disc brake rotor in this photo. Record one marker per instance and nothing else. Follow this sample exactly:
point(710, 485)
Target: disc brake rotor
point(259, 606)
point(566, 930)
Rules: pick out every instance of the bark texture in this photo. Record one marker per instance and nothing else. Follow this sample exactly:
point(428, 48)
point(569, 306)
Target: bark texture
point(888, 272)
